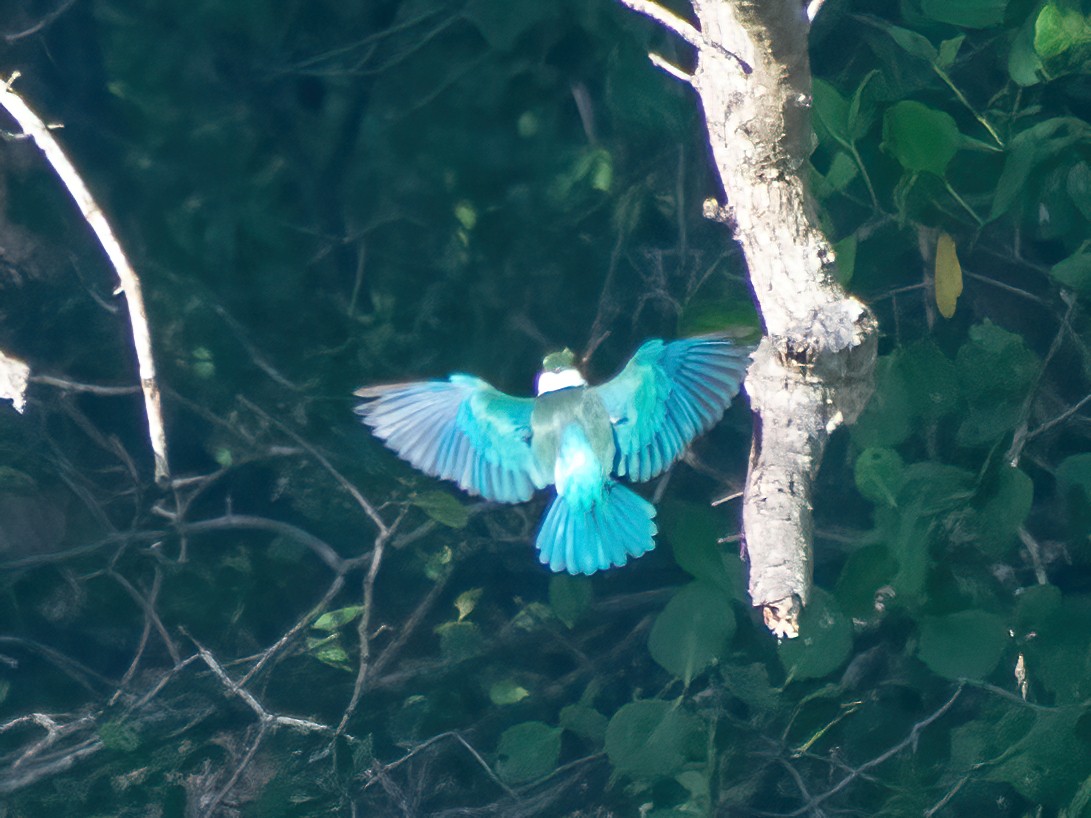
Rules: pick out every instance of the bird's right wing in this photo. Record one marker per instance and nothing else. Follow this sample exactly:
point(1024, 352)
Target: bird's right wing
point(460, 429)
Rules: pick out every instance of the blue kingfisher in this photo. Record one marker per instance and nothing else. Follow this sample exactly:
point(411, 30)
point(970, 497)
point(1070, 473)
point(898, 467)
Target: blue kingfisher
point(572, 436)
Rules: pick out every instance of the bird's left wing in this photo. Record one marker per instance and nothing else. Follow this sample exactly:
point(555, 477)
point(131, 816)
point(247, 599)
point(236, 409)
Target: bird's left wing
point(668, 394)
point(458, 429)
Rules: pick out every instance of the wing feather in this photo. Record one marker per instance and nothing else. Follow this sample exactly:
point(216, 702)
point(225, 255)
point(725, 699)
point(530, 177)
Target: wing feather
point(667, 395)
point(458, 429)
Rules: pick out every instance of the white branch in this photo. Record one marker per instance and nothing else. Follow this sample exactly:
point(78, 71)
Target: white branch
point(129, 282)
point(670, 68)
point(813, 369)
point(667, 19)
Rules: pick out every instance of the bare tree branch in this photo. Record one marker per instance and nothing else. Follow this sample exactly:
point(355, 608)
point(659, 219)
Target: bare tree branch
point(129, 282)
point(813, 370)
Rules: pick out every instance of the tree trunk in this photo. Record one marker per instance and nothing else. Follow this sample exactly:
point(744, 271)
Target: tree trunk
point(813, 370)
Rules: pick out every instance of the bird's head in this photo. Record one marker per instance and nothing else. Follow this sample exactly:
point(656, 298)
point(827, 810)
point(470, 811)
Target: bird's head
point(559, 372)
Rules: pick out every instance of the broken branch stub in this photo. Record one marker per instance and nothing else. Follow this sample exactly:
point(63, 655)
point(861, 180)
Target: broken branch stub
point(813, 370)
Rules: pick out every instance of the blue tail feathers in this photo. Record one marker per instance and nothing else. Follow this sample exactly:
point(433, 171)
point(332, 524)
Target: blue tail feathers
point(582, 539)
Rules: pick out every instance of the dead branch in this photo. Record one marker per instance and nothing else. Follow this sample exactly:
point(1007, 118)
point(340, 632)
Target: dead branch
point(129, 283)
point(813, 370)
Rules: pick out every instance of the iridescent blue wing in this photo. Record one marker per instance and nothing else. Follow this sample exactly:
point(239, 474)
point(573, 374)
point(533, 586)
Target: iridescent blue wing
point(667, 395)
point(460, 429)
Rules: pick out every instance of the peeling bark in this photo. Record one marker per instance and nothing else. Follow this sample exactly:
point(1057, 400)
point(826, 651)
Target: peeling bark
point(813, 370)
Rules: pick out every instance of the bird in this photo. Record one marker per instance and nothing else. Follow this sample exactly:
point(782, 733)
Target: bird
point(579, 439)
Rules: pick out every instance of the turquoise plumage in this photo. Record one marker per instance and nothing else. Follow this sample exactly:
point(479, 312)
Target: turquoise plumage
point(572, 436)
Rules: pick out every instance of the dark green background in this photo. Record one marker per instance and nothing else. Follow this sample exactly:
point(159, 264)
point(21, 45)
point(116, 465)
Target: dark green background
point(323, 195)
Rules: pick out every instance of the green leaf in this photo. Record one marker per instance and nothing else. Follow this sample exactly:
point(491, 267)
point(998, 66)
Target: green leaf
point(1074, 487)
point(443, 508)
point(878, 473)
point(466, 214)
point(693, 630)
point(1007, 501)
point(507, 691)
point(931, 379)
point(1026, 151)
point(591, 168)
point(570, 597)
point(845, 251)
point(831, 113)
point(750, 684)
point(585, 721)
point(996, 370)
point(692, 529)
point(866, 571)
point(824, 641)
point(527, 752)
point(966, 13)
point(861, 110)
point(332, 620)
point(842, 171)
point(459, 640)
point(1024, 65)
point(948, 51)
point(910, 41)
point(1074, 272)
point(1059, 29)
point(1048, 759)
point(119, 735)
point(329, 651)
point(961, 645)
point(1078, 187)
point(887, 418)
point(922, 139)
point(933, 488)
point(698, 786)
point(1036, 608)
point(1059, 654)
point(651, 739)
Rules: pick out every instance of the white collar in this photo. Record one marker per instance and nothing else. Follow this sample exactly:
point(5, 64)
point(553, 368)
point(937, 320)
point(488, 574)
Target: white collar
point(561, 379)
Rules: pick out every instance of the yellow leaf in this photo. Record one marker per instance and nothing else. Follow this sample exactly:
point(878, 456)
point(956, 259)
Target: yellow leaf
point(467, 601)
point(948, 276)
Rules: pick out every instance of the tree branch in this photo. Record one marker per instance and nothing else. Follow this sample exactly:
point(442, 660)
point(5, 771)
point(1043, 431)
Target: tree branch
point(813, 370)
point(129, 282)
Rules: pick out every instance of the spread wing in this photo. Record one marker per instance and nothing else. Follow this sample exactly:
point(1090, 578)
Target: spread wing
point(460, 429)
point(667, 395)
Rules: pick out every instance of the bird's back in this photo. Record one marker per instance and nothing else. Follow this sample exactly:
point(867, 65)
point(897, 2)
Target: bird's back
point(555, 411)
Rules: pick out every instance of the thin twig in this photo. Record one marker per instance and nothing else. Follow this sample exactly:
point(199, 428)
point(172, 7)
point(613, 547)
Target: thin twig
point(1019, 439)
point(129, 282)
point(74, 386)
point(213, 805)
point(1061, 418)
point(364, 627)
point(857, 772)
point(46, 20)
point(369, 509)
point(148, 606)
point(685, 30)
point(669, 20)
point(291, 633)
point(670, 68)
point(264, 715)
point(323, 550)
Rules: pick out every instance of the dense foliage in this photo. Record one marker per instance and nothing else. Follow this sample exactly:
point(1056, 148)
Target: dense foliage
point(323, 195)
